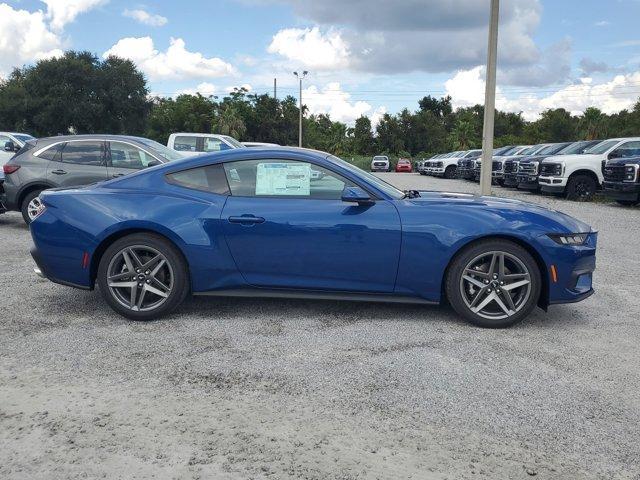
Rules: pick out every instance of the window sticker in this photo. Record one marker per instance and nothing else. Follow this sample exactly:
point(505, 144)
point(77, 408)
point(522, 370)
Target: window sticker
point(283, 179)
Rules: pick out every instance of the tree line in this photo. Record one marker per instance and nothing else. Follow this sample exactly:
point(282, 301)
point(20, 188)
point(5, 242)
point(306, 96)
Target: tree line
point(81, 93)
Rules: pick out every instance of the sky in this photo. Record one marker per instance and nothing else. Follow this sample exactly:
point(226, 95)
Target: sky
point(364, 57)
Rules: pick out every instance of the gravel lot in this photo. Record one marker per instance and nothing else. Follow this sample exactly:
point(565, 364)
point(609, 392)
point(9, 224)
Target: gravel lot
point(256, 388)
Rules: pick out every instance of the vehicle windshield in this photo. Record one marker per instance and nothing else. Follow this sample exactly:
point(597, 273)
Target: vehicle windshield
point(473, 153)
point(602, 147)
point(166, 152)
point(499, 152)
point(387, 188)
point(552, 149)
point(530, 150)
point(575, 148)
point(378, 157)
point(23, 137)
point(233, 141)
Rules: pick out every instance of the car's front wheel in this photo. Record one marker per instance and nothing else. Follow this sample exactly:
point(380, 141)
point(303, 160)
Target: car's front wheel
point(493, 283)
point(143, 276)
point(581, 188)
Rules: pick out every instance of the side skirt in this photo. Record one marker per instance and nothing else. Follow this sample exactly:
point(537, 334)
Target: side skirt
point(315, 295)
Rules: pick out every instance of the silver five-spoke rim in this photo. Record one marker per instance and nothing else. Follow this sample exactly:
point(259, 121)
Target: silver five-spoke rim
point(495, 285)
point(140, 278)
point(33, 208)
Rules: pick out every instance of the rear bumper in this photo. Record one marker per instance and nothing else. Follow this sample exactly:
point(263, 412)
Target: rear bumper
point(622, 191)
point(43, 271)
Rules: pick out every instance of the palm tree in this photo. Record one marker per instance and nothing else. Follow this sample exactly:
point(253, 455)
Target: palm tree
point(592, 124)
point(229, 122)
point(462, 135)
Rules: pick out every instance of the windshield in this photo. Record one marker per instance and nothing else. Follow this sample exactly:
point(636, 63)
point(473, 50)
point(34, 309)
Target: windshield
point(378, 157)
point(23, 137)
point(387, 188)
point(233, 141)
point(473, 153)
point(602, 147)
point(499, 152)
point(575, 148)
point(530, 150)
point(552, 149)
point(163, 150)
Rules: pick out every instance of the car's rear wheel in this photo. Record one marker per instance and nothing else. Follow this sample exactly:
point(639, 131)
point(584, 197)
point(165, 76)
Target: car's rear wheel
point(30, 206)
point(143, 276)
point(581, 188)
point(493, 283)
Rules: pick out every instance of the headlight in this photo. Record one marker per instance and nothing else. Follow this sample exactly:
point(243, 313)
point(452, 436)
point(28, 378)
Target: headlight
point(569, 239)
point(631, 173)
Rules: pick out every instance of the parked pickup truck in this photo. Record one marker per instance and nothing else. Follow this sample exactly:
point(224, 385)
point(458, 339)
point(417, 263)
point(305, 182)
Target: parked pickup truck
point(578, 177)
point(622, 180)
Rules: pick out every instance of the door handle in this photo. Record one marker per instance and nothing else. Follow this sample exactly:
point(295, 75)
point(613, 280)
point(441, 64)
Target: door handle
point(246, 220)
point(59, 172)
point(117, 175)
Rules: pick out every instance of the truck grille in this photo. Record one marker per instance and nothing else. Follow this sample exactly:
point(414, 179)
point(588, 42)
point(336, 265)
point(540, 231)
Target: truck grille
point(497, 166)
point(379, 164)
point(510, 166)
point(614, 173)
point(529, 168)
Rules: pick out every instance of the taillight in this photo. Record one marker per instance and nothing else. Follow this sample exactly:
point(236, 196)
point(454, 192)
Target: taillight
point(9, 169)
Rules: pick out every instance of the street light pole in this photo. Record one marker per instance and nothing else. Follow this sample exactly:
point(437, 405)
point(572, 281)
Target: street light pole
point(490, 101)
point(300, 77)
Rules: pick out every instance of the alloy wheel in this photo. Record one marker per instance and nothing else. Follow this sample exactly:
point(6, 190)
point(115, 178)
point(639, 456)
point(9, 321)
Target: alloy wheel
point(33, 208)
point(140, 278)
point(495, 285)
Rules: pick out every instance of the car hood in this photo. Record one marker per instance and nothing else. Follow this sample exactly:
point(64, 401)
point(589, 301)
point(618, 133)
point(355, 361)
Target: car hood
point(573, 158)
point(534, 158)
point(560, 222)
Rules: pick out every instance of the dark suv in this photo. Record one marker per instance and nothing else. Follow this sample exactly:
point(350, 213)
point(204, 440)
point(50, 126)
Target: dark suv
point(622, 180)
point(75, 160)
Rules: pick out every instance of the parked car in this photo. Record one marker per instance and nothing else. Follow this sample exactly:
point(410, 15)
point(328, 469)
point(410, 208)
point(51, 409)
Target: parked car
point(10, 144)
point(477, 164)
point(198, 143)
point(622, 180)
point(498, 161)
point(69, 161)
point(269, 231)
point(380, 163)
point(259, 144)
point(510, 166)
point(529, 168)
point(447, 167)
point(404, 165)
point(578, 177)
point(421, 166)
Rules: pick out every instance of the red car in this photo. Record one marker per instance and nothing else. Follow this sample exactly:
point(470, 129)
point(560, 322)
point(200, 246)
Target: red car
point(404, 165)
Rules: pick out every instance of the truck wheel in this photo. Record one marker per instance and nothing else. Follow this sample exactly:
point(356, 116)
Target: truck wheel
point(450, 172)
point(581, 188)
point(29, 206)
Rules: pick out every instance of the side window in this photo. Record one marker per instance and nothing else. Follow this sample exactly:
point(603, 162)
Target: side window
point(185, 144)
point(212, 144)
point(209, 179)
point(52, 153)
point(84, 153)
point(284, 178)
point(124, 155)
point(3, 140)
point(628, 149)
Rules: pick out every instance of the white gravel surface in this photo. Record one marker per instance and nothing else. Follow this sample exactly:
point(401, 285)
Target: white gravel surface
point(257, 388)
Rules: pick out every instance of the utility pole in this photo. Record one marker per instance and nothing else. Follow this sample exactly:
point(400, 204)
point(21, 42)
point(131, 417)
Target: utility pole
point(275, 89)
point(490, 101)
point(300, 77)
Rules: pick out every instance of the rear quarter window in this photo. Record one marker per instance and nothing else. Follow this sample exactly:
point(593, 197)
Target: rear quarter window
point(210, 178)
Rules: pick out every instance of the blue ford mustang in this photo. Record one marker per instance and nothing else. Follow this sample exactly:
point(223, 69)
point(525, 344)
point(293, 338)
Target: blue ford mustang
point(300, 223)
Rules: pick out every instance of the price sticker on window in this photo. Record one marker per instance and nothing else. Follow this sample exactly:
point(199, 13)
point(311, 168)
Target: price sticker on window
point(283, 179)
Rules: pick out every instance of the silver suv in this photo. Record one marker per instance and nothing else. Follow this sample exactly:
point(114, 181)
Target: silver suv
point(380, 163)
point(75, 160)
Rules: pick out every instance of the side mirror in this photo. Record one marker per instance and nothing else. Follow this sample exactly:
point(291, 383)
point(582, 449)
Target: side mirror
point(154, 163)
point(356, 195)
point(615, 154)
point(10, 146)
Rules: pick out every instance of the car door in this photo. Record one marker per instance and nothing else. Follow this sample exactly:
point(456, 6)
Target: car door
point(287, 230)
point(124, 158)
point(80, 162)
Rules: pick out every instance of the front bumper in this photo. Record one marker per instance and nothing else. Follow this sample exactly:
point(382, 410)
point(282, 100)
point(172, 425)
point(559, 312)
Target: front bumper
point(527, 182)
point(622, 190)
point(510, 180)
point(380, 169)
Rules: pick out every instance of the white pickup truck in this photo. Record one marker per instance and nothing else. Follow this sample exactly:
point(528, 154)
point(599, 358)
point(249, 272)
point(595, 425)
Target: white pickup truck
point(578, 177)
point(198, 143)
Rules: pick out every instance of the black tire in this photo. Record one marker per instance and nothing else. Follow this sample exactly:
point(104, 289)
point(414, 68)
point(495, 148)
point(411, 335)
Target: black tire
point(581, 188)
point(24, 208)
point(455, 271)
point(628, 203)
point(450, 172)
point(181, 285)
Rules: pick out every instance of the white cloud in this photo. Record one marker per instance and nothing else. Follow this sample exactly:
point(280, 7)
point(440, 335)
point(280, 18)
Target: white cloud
point(311, 48)
point(174, 63)
point(25, 37)
point(602, 23)
point(467, 88)
point(335, 102)
point(205, 89)
point(146, 18)
point(61, 12)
